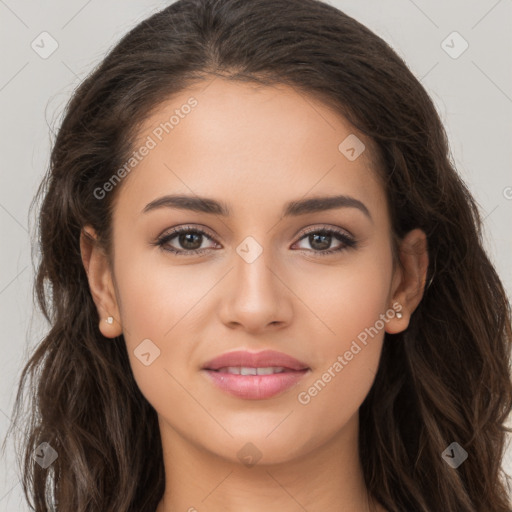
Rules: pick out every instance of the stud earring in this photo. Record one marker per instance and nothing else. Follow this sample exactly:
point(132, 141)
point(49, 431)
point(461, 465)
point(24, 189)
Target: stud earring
point(110, 320)
point(399, 315)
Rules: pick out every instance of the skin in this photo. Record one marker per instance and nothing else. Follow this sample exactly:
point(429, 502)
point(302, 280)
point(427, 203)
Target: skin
point(254, 148)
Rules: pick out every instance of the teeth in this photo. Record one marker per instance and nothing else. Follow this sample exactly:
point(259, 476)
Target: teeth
point(270, 371)
point(244, 370)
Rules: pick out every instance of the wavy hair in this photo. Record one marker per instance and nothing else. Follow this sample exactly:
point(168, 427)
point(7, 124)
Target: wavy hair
point(445, 379)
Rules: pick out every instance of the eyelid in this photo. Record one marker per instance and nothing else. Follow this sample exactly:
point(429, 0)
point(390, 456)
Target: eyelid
point(185, 228)
point(325, 227)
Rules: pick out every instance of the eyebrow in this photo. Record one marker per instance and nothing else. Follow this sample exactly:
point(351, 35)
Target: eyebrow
point(291, 209)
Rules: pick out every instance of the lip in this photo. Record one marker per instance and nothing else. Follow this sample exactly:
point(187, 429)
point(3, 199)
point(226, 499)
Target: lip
point(262, 359)
point(255, 387)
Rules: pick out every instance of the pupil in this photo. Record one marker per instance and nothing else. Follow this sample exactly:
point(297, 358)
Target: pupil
point(187, 242)
point(323, 245)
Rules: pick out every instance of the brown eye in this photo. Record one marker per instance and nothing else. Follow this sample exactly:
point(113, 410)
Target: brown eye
point(320, 241)
point(185, 241)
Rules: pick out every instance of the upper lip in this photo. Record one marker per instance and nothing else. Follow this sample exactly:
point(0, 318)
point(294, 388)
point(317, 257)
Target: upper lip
point(263, 359)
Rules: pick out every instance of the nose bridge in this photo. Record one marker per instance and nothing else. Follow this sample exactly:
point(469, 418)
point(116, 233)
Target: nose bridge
point(255, 297)
point(252, 269)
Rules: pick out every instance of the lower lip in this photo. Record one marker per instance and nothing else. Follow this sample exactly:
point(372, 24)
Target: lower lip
point(256, 387)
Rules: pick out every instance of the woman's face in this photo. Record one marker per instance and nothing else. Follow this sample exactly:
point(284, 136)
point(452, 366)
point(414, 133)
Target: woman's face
point(263, 280)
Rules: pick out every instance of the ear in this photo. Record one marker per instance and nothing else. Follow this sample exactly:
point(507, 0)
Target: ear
point(409, 279)
point(101, 282)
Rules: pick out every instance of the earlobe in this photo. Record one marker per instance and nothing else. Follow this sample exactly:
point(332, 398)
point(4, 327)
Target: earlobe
point(101, 286)
point(409, 288)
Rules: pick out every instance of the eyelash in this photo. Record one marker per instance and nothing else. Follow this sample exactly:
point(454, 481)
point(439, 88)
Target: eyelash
point(348, 242)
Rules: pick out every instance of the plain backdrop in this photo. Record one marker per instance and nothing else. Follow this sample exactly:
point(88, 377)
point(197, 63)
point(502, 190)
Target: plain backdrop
point(467, 74)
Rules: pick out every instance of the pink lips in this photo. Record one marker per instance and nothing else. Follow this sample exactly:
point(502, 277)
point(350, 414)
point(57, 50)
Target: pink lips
point(275, 373)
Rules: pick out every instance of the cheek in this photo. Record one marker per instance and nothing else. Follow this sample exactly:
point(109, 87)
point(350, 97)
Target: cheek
point(153, 313)
point(347, 298)
point(350, 303)
point(155, 295)
point(152, 300)
point(160, 306)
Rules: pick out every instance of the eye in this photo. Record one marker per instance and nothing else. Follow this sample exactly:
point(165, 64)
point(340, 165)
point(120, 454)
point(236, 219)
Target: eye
point(190, 240)
point(320, 240)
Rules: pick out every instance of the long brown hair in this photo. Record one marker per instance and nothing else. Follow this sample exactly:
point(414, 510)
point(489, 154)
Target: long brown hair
point(445, 379)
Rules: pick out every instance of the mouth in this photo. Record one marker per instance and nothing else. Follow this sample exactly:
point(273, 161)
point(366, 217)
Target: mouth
point(247, 370)
point(255, 376)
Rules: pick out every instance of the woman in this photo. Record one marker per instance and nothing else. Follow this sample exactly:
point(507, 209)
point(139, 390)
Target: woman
point(265, 281)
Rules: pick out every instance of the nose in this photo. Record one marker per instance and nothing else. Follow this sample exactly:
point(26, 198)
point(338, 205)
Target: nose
point(256, 297)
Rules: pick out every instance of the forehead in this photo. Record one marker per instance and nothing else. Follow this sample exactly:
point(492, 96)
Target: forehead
point(249, 144)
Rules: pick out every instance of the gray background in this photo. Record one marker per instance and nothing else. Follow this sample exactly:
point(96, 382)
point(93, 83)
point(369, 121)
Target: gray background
point(473, 94)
